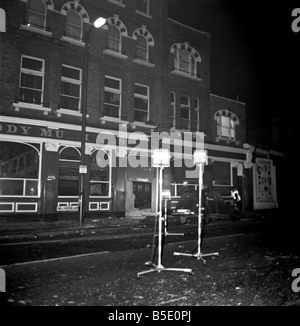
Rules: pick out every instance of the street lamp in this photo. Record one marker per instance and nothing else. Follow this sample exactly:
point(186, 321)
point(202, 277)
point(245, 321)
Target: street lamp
point(99, 22)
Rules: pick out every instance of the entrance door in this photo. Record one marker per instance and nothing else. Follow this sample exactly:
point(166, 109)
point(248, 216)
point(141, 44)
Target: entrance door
point(142, 192)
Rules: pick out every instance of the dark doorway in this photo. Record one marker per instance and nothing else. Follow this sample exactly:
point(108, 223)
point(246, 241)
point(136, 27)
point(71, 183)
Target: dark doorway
point(142, 192)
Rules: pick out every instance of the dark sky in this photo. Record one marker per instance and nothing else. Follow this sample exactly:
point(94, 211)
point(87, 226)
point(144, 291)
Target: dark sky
point(255, 53)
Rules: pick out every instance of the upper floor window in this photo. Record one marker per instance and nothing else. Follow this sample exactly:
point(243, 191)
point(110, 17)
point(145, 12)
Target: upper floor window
point(31, 80)
point(36, 13)
point(173, 108)
point(114, 39)
point(142, 48)
point(143, 42)
point(74, 25)
point(70, 88)
point(112, 97)
point(117, 2)
point(141, 103)
point(226, 124)
point(143, 6)
point(197, 110)
point(186, 60)
point(185, 112)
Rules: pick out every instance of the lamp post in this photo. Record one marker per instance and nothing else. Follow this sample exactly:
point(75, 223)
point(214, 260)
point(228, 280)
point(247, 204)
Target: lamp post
point(99, 22)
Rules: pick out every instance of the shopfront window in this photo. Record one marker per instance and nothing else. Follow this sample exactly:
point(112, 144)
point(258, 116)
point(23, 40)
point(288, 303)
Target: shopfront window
point(19, 169)
point(69, 160)
point(222, 175)
point(100, 174)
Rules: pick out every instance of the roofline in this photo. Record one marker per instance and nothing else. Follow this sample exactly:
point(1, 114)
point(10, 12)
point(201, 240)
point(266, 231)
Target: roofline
point(192, 28)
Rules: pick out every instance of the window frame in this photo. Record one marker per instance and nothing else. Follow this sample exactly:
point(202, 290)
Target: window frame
point(185, 107)
point(71, 36)
point(140, 7)
point(173, 108)
point(74, 82)
point(26, 179)
point(191, 62)
point(30, 12)
point(75, 161)
point(230, 171)
point(143, 97)
point(32, 72)
point(197, 110)
point(109, 182)
point(113, 91)
point(112, 39)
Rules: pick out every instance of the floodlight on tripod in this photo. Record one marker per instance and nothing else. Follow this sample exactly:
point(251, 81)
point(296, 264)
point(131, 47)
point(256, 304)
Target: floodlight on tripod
point(200, 159)
point(160, 160)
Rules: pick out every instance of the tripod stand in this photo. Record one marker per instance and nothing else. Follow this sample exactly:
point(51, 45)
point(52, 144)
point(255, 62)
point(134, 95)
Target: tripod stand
point(159, 267)
point(199, 254)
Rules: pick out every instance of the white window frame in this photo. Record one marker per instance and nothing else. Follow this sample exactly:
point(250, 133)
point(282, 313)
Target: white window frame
point(67, 160)
point(192, 67)
point(115, 91)
point(185, 107)
point(34, 73)
point(173, 108)
point(144, 97)
point(38, 180)
point(231, 133)
point(117, 2)
point(109, 182)
point(143, 12)
point(197, 110)
point(75, 82)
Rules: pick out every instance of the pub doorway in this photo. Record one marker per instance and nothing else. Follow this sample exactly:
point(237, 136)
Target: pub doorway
point(142, 192)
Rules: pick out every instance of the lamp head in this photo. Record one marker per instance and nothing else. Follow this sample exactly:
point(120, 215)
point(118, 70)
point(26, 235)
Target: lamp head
point(99, 22)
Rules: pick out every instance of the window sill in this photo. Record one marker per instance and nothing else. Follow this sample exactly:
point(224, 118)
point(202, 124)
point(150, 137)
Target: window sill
point(35, 30)
point(143, 14)
point(118, 3)
point(106, 118)
point(227, 140)
point(69, 112)
point(31, 106)
point(180, 129)
point(72, 41)
point(185, 74)
point(144, 63)
point(115, 54)
point(135, 124)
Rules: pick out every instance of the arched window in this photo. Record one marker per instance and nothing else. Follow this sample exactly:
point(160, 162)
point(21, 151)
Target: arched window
point(185, 62)
point(226, 122)
point(36, 13)
point(69, 160)
point(186, 59)
point(100, 174)
point(74, 25)
point(114, 39)
point(19, 169)
point(142, 48)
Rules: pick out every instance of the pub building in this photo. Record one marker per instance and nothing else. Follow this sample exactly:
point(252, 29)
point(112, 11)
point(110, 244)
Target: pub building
point(146, 73)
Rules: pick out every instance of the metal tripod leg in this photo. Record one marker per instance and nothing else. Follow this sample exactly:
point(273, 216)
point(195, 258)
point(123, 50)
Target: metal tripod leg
point(159, 267)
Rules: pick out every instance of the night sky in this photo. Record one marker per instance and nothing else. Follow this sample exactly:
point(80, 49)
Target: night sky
point(254, 54)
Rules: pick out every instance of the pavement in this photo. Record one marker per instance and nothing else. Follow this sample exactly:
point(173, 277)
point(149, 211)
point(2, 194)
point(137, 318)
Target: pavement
point(29, 230)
